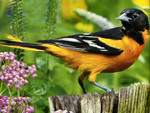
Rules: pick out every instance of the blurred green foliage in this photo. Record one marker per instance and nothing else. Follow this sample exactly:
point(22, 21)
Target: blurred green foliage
point(54, 77)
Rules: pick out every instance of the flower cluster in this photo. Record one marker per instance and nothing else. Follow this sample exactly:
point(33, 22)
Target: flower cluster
point(13, 71)
point(62, 111)
point(20, 102)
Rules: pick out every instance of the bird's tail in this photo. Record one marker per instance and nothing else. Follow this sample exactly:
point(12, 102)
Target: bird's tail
point(17, 43)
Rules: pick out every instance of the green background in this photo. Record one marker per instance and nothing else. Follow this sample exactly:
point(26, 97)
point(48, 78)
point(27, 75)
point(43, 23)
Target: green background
point(54, 77)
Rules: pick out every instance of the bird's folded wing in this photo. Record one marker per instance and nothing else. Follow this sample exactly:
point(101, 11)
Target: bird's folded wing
point(88, 43)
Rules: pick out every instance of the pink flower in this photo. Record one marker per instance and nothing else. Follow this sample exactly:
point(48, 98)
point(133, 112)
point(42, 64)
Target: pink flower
point(17, 86)
point(16, 103)
point(34, 75)
point(25, 76)
point(15, 72)
point(62, 111)
point(3, 67)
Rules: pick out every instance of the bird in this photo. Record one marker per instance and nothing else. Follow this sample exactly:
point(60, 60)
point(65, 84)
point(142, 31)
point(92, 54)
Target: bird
point(105, 51)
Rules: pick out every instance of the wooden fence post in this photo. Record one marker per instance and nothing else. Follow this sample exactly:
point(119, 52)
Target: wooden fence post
point(132, 99)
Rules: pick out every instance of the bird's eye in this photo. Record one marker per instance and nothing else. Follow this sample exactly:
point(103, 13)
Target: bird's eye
point(135, 15)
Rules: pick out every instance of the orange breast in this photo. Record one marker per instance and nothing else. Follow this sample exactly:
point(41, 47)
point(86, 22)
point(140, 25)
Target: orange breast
point(131, 51)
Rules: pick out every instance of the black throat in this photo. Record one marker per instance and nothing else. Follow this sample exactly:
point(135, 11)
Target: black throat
point(133, 33)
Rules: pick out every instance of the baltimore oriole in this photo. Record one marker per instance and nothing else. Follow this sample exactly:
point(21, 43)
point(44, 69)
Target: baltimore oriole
point(105, 51)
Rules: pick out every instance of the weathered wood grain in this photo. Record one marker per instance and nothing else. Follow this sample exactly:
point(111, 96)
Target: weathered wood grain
point(132, 99)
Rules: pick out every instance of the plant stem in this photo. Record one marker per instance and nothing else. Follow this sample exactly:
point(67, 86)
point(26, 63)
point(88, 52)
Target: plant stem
point(3, 91)
point(18, 25)
point(51, 17)
point(1, 87)
point(9, 100)
point(18, 92)
point(115, 80)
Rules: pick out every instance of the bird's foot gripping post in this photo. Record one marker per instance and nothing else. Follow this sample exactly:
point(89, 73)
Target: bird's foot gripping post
point(92, 79)
point(102, 87)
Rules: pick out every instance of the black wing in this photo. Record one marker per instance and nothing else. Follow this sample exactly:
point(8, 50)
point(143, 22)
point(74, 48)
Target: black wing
point(89, 42)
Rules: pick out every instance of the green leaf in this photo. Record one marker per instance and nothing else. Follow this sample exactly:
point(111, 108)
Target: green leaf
point(56, 89)
point(3, 7)
point(147, 8)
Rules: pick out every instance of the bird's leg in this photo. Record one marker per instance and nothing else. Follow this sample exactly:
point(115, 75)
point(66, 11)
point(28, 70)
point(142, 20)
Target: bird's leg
point(102, 87)
point(80, 80)
point(92, 79)
point(82, 86)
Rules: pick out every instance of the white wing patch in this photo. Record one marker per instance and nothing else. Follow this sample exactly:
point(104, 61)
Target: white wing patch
point(92, 44)
point(69, 39)
point(70, 46)
point(87, 36)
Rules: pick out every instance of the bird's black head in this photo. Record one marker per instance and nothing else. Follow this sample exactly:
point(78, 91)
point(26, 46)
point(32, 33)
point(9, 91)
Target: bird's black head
point(134, 19)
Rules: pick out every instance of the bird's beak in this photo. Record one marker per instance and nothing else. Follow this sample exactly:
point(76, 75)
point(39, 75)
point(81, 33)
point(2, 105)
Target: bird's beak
point(123, 17)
